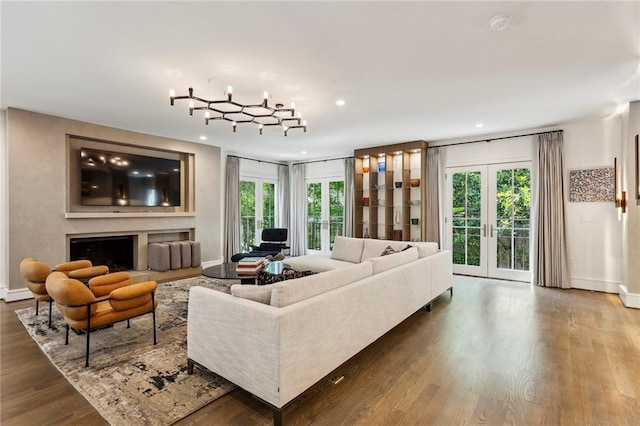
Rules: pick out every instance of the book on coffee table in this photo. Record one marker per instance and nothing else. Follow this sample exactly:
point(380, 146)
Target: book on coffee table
point(250, 265)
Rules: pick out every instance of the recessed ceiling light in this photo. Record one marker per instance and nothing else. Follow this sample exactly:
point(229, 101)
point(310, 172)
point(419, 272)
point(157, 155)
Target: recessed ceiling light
point(203, 138)
point(303, 152)
point(479, 125)
point(340, 102)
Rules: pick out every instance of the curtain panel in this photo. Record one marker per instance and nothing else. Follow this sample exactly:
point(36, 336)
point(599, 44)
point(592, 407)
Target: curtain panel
point(284, 195)
point(349, 170)
point(550, 268)
point(232, 208)
point(298, 228)
point(434, 180)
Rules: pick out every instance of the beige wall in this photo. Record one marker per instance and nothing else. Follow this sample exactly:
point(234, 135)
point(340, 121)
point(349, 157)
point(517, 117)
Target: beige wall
point(37, 190)
point(632, 218)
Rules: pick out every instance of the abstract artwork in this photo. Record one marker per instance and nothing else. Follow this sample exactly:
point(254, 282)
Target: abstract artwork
point(591, 185)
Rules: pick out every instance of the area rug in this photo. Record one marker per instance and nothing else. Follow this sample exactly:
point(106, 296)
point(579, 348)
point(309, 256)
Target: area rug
point(129, 380)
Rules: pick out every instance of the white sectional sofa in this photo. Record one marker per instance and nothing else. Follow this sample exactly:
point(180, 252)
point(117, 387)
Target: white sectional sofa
point(276, 341)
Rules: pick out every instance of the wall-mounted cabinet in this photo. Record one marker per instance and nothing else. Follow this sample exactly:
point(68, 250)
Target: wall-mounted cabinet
point(390, 192)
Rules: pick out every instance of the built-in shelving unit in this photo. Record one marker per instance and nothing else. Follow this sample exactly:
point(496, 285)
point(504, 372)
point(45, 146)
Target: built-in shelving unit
point(390, 192)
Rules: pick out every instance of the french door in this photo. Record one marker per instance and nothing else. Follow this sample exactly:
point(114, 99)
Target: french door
point(325, 213)
point(488, 220)
point(257, 210)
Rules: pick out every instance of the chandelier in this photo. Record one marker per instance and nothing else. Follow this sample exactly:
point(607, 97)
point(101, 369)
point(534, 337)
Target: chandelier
point(236, 113)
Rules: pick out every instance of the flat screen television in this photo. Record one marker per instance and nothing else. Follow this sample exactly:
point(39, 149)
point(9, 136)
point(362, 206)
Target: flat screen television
point(121, 179)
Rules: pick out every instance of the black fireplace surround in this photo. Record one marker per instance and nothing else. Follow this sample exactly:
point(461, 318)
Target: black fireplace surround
point(115, 252)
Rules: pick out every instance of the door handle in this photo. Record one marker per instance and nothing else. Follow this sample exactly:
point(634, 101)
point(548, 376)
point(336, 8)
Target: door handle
point(491, 231)
point(484, 230)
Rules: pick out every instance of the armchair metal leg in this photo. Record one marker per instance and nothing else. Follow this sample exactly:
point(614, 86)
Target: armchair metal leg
point(50, 306)
point(66, 339)
point(86, 361)
point(153, 312)
point(128, 325)
point(37, 307)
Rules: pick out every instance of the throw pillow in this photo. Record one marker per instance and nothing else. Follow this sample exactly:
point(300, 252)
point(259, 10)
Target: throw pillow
point(390, 250)
point(387, 251)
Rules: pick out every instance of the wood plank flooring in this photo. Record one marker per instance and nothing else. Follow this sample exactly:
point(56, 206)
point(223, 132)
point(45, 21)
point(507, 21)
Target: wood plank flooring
point(495, 353)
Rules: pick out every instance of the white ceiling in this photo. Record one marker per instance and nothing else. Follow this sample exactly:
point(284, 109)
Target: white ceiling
point(407, 70)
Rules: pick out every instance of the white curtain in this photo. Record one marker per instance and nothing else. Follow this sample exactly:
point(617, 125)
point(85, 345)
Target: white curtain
point(549, 241)
point(298, 226)
point(434, 206)
point(232, 203)
point(284, 195)
point(347, 225)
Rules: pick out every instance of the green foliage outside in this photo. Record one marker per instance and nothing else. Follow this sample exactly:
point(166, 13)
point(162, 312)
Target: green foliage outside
point(248, 212)
point(314, 213)
point(513, 200)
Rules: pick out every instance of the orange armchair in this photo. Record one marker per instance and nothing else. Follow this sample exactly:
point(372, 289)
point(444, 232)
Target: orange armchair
point(82, 270)
point(35, 275)
point(84, 311)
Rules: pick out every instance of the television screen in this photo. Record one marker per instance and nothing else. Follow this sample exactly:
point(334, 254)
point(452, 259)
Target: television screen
point(119, 179)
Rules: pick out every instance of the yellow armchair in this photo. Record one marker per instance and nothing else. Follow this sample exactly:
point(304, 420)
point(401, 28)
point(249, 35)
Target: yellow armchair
point(35, 275)
point(82, 270)
point(82, 310)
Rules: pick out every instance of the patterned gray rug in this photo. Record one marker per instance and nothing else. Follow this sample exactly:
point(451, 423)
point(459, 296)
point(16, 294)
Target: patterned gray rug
point(129, 380)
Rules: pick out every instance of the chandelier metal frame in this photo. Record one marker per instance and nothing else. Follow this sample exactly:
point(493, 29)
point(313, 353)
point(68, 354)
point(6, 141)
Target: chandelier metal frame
point(238, 113)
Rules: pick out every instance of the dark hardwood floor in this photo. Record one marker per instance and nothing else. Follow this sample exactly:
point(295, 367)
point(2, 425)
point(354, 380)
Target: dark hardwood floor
point(495, 353)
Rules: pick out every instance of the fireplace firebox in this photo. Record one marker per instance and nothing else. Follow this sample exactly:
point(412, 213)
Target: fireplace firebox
point(116, 252)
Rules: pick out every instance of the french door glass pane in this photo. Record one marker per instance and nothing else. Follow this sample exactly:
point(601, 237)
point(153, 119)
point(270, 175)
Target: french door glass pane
point(247, 214)
point(466, 212)
point(314, 215)
point(336, 210)
point(268, 205)
point(513, 200)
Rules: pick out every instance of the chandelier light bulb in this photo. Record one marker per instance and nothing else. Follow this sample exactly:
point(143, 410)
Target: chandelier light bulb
point(293, 105)
point(207, 114)
point(229, 90)
point(191, 104)
point(172, 93)
point(266, 95)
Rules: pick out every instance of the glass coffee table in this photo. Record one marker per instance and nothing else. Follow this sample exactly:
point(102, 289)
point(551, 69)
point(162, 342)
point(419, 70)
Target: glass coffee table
point(227, 271)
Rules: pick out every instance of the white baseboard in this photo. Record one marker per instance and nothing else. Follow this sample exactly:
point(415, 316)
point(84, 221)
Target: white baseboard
point(595, 285)
point(630, 300)
point(15, 295)
point(212, 263)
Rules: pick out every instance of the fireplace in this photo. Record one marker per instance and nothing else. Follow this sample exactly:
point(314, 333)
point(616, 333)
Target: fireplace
point(116, 252)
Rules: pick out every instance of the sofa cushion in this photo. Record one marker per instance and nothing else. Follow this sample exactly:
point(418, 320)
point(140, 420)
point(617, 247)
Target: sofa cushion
point(425, 249)
point(316, 263)
point(257, 293)
point(347, 249)
point(384, 263)
point(293, 291)
point(374, 248)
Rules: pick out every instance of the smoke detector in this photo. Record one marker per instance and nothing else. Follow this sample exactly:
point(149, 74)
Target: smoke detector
point(499, 22)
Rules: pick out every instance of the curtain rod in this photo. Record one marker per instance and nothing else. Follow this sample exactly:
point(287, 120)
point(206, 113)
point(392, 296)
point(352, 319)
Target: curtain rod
point(320, 161)
point(495, 139)
point(259, 161)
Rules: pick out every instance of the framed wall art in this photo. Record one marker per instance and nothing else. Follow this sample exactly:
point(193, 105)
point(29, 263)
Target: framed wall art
point(591, 185)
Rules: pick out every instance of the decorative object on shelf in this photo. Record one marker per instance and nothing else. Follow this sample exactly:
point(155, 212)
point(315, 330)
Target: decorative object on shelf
point(365, 165)
point(380, 202)
point(398, 216)
point(365, 169)
point(365, 201)
point(414, 182)
point(397, 234)
point(414, 220)
point(366, 232)
point(379, 186)
point(259, 114)
point(381, 167)
point(398, 184)
point(414, 202)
